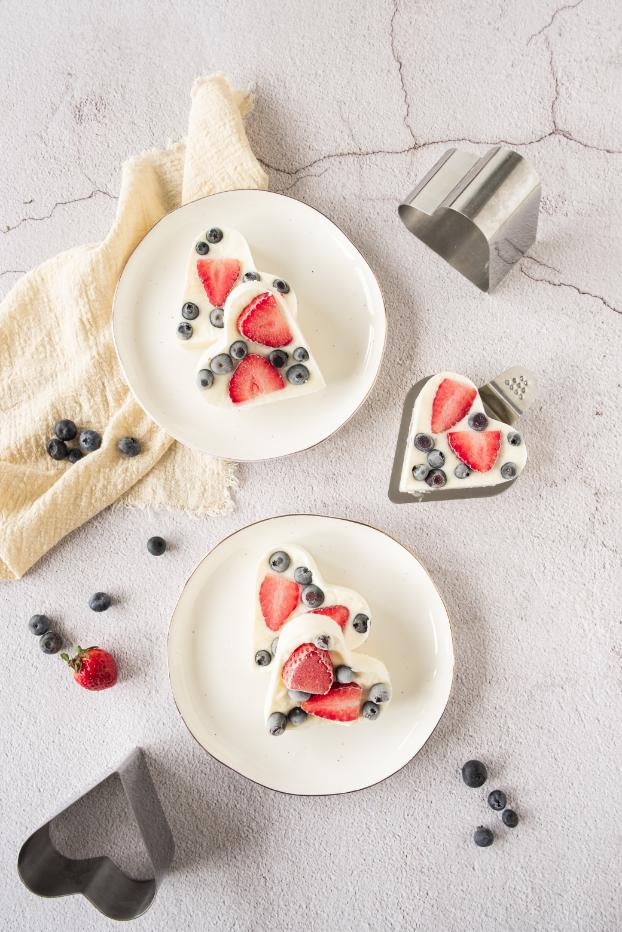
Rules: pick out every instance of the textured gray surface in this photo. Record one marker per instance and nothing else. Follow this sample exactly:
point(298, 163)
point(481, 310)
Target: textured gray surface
point(354, 102)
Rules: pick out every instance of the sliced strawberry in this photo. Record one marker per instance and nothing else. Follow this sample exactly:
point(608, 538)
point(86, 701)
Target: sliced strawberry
point(451, 403)
point(254, 376)
point(218, 277)
point(341, 704)
point(309, 670)
point(263, 322)
point(479, 450)
point(278, 598)
point(338, 613)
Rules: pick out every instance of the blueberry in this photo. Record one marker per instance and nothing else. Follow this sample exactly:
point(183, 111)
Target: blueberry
point(279, 561)
point(303, 575)
point(238, 349)
point(344, 674)
point(74, 455)
point(65, 429)
point(90, 441)
point(436, 459)
point(263, 658)
point(478, 421)
point(483, 837)
point(424, 442)
point(474, 773)
point(380, 692)
point(509, 818)
point(39, 624)
point(57, 449)
point(361, 623)
point(280, 285)
point(217, 317)
point(221, 364)
point(436, 479)
point(100, 602)
point(156, 546)
point(202, 248)
point(277, 723)
point(278, 358)
point(421, 472)
point(509, 471)
point(497, 800)
point(214, 235)
point(298, 374)
point(462, 471)
point(312, 596)
point(190, 311)
point(184, 330)
point(371, 710)
point(251, 277)
point(205, 378)
point(297, 716)
point(273, 646)
point(50, 642)
point(514, 439)
point(322, 642)
point(300, 354)
point(129, 446)
point(297, 695)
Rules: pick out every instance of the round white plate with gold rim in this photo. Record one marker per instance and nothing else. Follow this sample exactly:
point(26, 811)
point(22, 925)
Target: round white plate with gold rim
point(220, 693)
point(341, 312)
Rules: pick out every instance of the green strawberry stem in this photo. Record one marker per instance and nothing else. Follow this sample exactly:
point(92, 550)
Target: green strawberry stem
point(76, 662)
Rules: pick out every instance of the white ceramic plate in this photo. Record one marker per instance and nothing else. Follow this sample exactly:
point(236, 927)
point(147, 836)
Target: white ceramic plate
point(220, 693)
point(341, 313)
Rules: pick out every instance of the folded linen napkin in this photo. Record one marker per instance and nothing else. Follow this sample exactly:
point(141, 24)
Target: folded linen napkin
point(63, 364)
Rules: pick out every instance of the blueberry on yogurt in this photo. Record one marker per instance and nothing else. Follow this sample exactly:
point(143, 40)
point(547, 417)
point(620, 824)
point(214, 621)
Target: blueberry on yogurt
point(379, 692)
point(298, 374)
point(217, 317)
point(478, 421)
point(296, 716)
point(251, 277)
point(190, 311)
point(263, 658)
point(238, 349)
point(312, 596)
point(280, 285)
point(420, 472)
point(436, 459)
point(361, 623)
point(300, 354)
point(514, 438)
point(221, 364)
point(279, 561)
point(202, 248)
point(322, 642)
point(278, 358)
point(509, 471)
point(436, 479)
point(424, 442)
point(371, 710)
point(214, 235)
point(462, 471)
point(277, 723)
point(297, 695)
point(303, 575)
point(184, 330)
point(344, 674)
point(205, 378)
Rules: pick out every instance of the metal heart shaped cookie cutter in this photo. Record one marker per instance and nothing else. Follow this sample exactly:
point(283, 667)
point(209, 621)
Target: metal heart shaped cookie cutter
point(480, 214)
point(47, 872)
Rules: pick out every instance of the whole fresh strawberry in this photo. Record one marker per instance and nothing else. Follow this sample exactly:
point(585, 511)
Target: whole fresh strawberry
point(93, 668)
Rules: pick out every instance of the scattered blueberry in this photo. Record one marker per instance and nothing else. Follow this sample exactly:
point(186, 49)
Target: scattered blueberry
point(57, 449)
point(156, 546)
point(483, 837)
point(297, 716)
point(74, 455)
point(184, 330)
point(361, 623)
point(129, 446)
point(279, 561)
point(514, 439)
point(421, 471)
point(90, 441)
point(322, 642)
point(312, 596)
point(214, 235)
point(205, 378)
point(300, 354)
point(217, 317)
point(424, 442)
point(190, 311)
point(497, 800)
point(50, 642)
point(297, 695)
point(39, 624)
point(436, 459)
point(462, 471)
point(297, 374)
point(379, 693)
point(436, 479)
point(371, 710)
point(509, 471)
point(278, 358)
point(251, 277)
point(280, 285)
point(263, 658)
point(273, 646)
point(509, 818)
point(65, 429)
point(202, 248)
point(344, 674)
point(474, 773)
point(277, 723)
point(221, 364)
point(100, 602)
point(303, 575)
point(478, 421)
point(238, 349)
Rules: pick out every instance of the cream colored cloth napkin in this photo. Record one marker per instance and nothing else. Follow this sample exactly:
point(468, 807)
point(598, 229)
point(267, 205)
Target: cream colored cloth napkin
point(57, 357)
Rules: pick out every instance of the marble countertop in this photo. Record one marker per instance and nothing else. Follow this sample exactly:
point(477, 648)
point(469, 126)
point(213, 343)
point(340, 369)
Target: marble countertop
point(354, 103)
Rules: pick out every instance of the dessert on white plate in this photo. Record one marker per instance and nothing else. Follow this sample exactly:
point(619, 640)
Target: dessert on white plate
point(453, 444)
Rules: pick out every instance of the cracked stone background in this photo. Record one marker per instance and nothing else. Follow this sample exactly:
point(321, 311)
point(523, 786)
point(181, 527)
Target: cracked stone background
point(354, 103)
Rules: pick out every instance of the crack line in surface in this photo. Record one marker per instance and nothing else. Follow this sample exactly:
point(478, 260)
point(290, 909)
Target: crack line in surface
point(13, 272)
point(398, 61)
point(75, 200)
point(300, 178)
point(561, 284)
point(561, 9)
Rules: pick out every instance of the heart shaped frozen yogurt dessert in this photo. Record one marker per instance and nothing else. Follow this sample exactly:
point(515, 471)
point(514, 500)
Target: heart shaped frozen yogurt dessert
point(452, 442)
